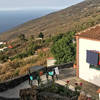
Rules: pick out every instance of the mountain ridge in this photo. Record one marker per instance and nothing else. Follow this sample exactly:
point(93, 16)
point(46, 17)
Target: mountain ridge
point(86, 13)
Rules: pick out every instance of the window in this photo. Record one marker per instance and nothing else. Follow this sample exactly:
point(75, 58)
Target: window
point(97, 67)
point(92, 57)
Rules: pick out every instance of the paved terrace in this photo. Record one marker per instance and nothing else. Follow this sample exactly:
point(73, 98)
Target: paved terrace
point(65, 74)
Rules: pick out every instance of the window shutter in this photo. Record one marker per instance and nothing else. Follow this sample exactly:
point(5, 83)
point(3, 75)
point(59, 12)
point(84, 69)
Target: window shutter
point(92, 57)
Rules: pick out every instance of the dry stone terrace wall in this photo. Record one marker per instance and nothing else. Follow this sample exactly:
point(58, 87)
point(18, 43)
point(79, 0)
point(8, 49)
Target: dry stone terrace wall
point(50, 96)
point(12, 83)
point(1, 98)
point(18, 80)
point(35, 93)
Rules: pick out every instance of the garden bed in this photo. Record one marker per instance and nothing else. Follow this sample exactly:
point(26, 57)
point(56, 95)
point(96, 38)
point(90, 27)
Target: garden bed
point(59, 90)
point(51, 91)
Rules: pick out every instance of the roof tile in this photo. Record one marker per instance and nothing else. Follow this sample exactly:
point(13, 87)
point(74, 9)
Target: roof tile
point(92, 33)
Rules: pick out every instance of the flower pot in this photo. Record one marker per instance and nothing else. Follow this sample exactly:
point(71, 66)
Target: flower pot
point(74, 66)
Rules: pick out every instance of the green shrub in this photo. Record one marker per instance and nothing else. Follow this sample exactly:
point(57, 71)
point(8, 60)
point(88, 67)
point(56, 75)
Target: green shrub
point(64, 49)
point(16, 73)
point(58, 37)
point(41, 35)
point(22, 55)
point(4, 58)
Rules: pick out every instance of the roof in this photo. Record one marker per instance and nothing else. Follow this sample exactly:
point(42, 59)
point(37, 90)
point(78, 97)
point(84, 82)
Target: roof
point(91, 33)
point(51, 58)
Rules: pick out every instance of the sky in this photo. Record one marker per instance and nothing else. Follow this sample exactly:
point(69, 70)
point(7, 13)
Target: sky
point(36, 4)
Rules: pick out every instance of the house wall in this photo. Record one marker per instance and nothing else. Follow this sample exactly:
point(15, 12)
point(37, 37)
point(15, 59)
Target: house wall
point(50, 62)
point(86, 73)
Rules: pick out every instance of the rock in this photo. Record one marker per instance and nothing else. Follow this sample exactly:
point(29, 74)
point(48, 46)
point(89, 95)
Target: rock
point(29, 93)
point(82, 96)
point(50, 96)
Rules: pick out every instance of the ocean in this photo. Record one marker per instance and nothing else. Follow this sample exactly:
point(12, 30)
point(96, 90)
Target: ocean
point(11, 19)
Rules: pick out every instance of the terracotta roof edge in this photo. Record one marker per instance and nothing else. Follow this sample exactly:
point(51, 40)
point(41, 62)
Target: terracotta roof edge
point(77, 34)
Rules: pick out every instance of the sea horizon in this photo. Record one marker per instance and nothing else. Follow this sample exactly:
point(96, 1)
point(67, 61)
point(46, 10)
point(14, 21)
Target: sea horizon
point(10, 19)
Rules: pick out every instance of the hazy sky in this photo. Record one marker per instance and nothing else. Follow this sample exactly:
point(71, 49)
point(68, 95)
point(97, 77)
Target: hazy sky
point(27, 4)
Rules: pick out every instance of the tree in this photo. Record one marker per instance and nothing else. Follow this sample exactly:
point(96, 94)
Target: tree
point(32, 48)
point(41, 35)
point(64, 49)
point(32, 37)
point(4, 58)
point(22, 37)
point(56, 38)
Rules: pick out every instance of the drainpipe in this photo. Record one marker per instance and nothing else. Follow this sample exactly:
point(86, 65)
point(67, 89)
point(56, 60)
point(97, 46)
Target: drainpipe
point(98, 91)
point(77, 56)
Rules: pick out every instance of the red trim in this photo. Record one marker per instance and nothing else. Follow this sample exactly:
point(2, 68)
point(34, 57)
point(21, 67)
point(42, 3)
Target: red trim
point(74, 66)
point(77, 56)
point(87, 38)
point(50, 58)
point(98, 91)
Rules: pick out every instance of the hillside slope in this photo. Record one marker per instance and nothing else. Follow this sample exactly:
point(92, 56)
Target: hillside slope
point(77, 17)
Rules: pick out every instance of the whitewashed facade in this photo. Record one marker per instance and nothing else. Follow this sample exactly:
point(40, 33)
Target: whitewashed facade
point(85, 72)
point(51, 61)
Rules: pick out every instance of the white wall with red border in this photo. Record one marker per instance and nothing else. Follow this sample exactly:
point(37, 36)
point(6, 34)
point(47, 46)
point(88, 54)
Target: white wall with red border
point(85, 72)
point(51, 61)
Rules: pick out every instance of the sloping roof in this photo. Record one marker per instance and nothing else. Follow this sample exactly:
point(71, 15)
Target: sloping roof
point(91, 33)
point(51, 58)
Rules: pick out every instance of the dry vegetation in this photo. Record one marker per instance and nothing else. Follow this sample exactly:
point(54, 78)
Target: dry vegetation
point(19, 67)
point(24, 54)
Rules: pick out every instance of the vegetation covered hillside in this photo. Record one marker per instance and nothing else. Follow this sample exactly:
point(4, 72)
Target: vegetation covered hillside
point(76, 17)
point(24, 53)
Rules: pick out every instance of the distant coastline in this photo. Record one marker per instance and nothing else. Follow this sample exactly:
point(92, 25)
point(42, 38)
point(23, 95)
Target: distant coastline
point(10, 19)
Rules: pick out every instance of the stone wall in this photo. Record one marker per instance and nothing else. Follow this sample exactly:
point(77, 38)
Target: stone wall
point(29, 93)
point(1, 98)
point(61, 66)
point(34, 94)
point(12, 83)
point(18, 80)
point(50, 96)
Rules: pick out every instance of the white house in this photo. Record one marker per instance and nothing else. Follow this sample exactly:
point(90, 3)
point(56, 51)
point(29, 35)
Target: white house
point(88, 55)
point(4, 48)
point(51, 61)
point(2, 43)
